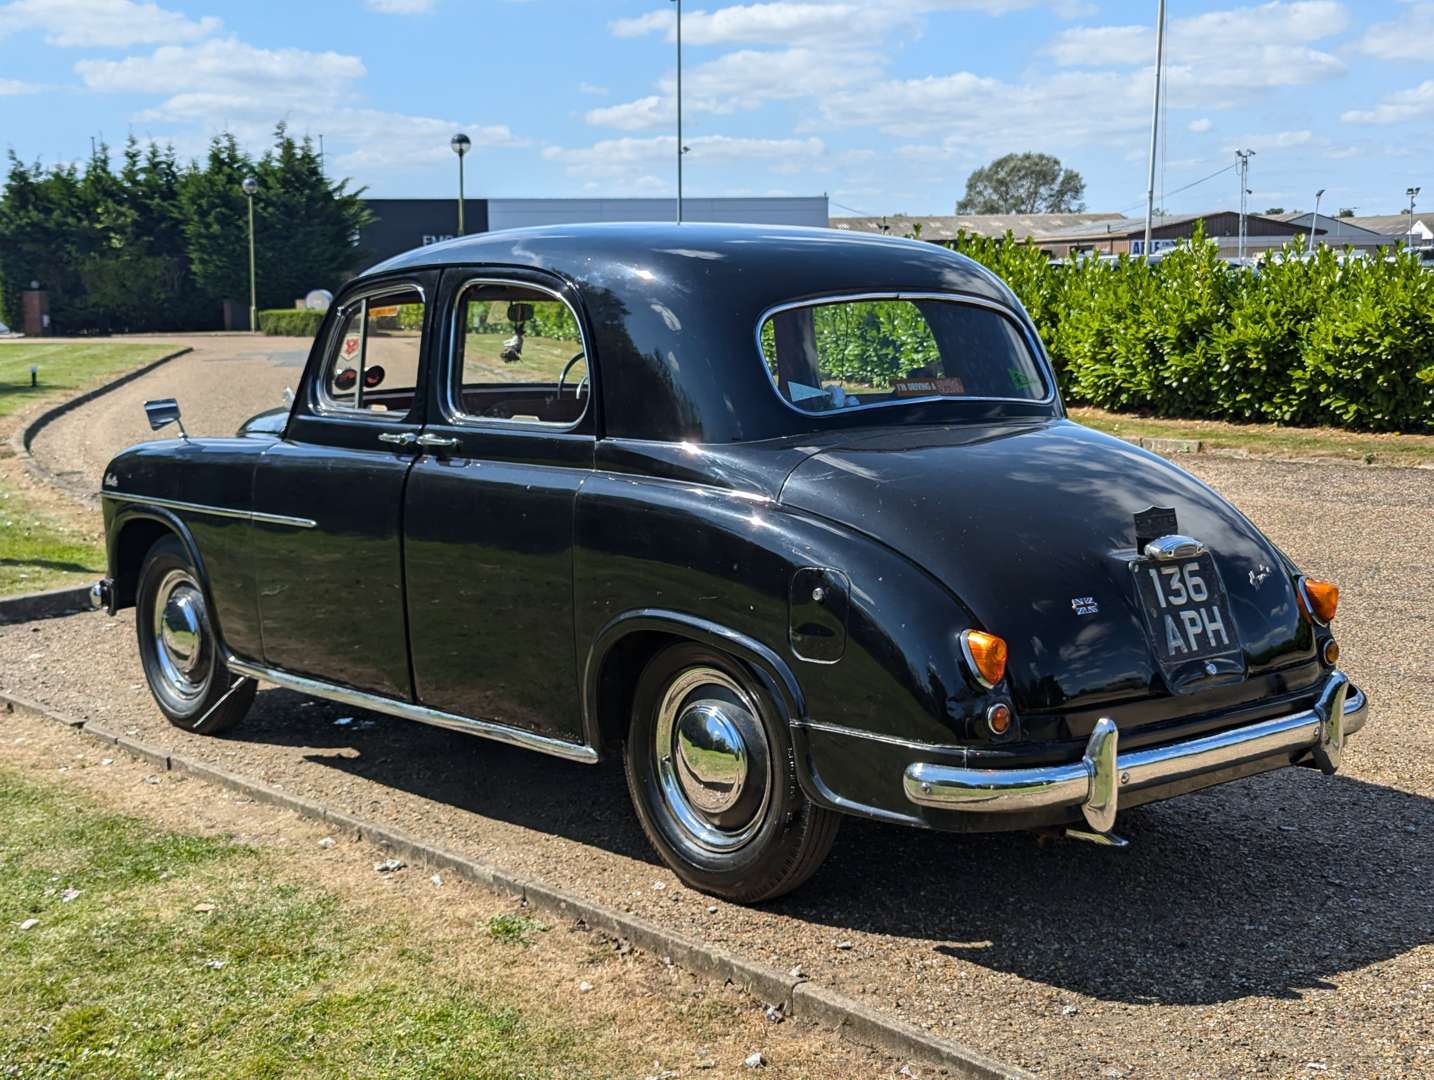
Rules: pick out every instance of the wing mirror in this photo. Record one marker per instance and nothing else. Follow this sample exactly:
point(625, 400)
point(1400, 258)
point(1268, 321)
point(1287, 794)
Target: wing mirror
point(162, 413)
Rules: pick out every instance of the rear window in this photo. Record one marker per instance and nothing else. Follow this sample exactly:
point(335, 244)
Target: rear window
point(844, 354)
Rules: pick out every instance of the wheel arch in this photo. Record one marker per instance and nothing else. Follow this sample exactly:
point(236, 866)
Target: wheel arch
point(627, 642)
point(133, 531)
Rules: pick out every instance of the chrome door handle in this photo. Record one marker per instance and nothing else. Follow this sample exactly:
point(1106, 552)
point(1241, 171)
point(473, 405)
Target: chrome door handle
point(433, 441)
point(406, 438)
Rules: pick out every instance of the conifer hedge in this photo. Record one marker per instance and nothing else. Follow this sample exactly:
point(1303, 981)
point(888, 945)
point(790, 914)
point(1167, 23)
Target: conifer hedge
point(158, 244)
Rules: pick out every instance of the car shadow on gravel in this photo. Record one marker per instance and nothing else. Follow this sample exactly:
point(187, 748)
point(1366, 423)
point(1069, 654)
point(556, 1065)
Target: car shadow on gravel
point(1269, 886)
point(580, 802)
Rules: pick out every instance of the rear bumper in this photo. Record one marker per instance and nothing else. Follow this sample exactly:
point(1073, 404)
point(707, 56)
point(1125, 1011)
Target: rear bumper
point(1097, 782)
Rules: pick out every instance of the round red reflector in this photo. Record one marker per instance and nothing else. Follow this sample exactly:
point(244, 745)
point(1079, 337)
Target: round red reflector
point(998, 718)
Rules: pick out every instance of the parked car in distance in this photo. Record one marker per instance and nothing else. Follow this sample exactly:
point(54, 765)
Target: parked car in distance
point(792, 520)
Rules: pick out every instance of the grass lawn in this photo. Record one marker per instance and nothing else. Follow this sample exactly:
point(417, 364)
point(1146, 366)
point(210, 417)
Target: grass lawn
point(39, 550)
point(65, 366)
point(1269, 439)
point(178, 955)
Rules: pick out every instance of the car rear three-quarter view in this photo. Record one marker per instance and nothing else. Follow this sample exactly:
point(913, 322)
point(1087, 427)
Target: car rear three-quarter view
point(792, 521)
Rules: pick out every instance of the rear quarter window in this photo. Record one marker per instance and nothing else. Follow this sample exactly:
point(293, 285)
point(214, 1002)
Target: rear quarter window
point(848, 353)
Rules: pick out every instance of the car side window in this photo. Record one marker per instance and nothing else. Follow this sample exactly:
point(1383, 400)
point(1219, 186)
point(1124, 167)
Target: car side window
point(519, 356)
point(373, 360)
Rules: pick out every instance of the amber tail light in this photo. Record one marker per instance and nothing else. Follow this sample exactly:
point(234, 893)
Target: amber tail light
point(985, 655)
point(1320, 599)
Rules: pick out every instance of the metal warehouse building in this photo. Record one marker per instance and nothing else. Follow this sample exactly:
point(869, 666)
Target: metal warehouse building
point(403, 224)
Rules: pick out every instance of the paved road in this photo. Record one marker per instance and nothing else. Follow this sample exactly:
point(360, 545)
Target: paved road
point(223, 382)
point(1281, 926)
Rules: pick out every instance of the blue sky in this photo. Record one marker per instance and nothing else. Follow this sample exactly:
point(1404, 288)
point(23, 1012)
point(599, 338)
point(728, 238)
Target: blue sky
point(886, 105)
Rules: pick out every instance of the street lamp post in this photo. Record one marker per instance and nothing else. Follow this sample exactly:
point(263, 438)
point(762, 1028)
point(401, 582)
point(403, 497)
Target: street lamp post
point(1244, 156)
point(1315, 220)
point(1413, 194)
point(250, 186)
point(460, 144)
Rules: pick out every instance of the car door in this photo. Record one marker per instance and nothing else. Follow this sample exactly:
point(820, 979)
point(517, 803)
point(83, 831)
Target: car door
point(488, 514)
point(331, 596)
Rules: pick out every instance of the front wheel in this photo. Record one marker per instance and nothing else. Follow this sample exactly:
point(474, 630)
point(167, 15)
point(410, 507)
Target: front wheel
point(178, 647)
point(713, 778)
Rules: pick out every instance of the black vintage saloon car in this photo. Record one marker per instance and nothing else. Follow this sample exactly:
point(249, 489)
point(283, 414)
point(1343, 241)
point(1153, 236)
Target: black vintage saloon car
point(792, 520)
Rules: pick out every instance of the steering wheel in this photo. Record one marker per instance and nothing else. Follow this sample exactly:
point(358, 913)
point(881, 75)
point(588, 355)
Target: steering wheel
point(563, 378)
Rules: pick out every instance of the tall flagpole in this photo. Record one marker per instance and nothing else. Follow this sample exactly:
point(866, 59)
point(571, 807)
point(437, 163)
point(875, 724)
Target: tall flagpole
point(1155, 123)
point(679, 111)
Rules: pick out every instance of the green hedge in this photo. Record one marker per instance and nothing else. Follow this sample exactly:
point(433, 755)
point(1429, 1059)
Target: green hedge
point(1298, 342)
point(290, 322)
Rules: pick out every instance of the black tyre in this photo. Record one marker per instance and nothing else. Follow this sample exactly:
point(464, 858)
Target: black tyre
point(713, 777)
point(179, 649)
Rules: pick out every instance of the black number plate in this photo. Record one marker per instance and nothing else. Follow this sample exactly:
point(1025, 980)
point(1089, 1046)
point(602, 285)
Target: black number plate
point(1186, 612)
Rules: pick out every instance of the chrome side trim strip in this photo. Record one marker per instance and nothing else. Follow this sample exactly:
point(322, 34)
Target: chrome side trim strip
point(405, 710)
point(871, 736)
point(1095, 782)
point(214, 511)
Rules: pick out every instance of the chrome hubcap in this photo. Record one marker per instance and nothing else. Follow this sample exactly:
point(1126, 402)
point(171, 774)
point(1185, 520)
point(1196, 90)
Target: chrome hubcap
point(713, 765)
point(181, 636)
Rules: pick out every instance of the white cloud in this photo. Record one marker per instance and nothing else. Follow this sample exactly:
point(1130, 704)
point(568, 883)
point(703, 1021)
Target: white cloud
point(384, 140)
point(1274, 140)
point(1399, 107)
point(853, 22)
point(645, 112)
point(400, 7)
point(14, 87)
point(753, 23)
point(628, 158)
point(1201, 125)
point(592, 89)
point(229, 85)
point(748, 77)
point(742, 80)
point(1410, 37)
point(227, 69)
point(1236, 50)
point(981, 114)
point(102, 23)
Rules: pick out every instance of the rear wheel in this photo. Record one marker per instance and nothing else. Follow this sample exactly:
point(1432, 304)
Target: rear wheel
point(712, 775)
point(179, 649)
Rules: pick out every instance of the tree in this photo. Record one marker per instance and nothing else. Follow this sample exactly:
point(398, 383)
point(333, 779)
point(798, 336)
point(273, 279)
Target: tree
point(1023, 184)
point(1275, 210)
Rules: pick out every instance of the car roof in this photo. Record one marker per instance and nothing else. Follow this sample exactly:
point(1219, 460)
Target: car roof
point(578, 251)
point(673, 310)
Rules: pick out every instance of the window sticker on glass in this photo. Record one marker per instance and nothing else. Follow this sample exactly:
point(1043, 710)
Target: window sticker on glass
point(926, 387)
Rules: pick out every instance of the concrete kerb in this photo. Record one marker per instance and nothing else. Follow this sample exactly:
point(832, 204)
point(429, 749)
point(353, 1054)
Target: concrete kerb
point(45, 605)
point(25, 437)
point(800, 999)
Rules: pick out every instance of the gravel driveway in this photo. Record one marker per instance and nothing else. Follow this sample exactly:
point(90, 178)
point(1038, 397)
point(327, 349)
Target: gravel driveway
point(1279, 926)
point(223, 382)
point(1282, 925)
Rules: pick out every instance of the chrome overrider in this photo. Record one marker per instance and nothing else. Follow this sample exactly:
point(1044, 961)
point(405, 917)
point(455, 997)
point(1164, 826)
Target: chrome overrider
point(1095, 782)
